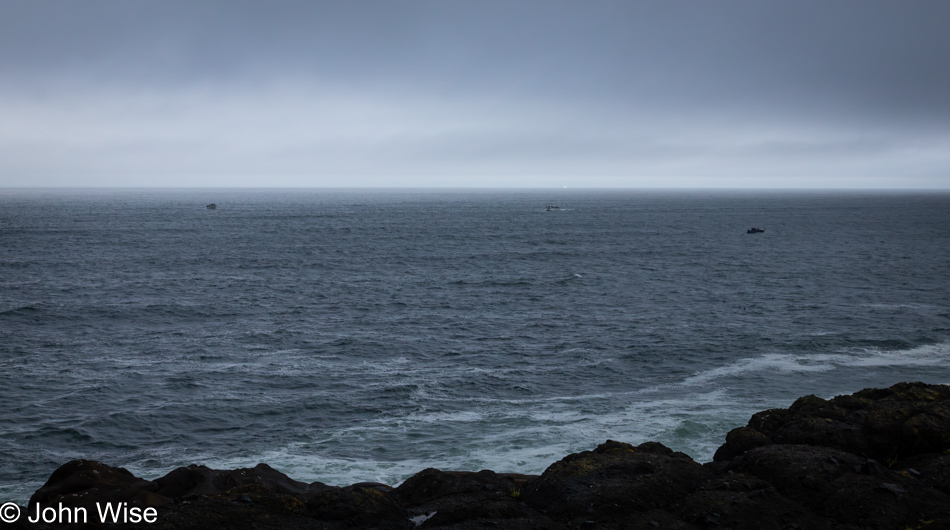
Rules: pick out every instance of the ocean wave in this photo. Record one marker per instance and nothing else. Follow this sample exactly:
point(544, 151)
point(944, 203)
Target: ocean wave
point(937, 354)
point(27, 309)
point(767, 362)
point(927, 355)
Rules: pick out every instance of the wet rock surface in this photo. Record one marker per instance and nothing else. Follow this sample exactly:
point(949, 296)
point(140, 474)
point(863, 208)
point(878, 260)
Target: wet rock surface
point(877, 459)
point(613, 482)
point(887, 424)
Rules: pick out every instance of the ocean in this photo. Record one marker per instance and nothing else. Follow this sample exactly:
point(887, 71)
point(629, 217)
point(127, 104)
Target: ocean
point(364, 335)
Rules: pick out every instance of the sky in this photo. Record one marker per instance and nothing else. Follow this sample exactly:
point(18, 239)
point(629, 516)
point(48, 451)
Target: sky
point(486, 93)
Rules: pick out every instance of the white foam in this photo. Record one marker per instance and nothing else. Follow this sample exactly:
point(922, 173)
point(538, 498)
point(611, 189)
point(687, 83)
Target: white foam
point(465, 416)
point(893, 306)
point(335, 471)
point(923, 356)
point(767, 362)
point(529, 441)
point(927, 355)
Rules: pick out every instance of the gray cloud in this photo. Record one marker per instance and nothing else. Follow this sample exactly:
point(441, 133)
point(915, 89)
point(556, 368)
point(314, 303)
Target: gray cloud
point(490, 93)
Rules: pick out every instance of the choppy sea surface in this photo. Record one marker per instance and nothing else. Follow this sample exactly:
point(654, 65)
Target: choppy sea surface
point(345, 336)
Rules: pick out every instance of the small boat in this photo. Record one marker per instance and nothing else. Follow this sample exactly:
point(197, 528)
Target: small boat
point(212, 206)
point(755, 230)
point(552, 207)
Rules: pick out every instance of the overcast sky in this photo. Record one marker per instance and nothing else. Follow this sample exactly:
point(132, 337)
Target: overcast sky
point(445, 93)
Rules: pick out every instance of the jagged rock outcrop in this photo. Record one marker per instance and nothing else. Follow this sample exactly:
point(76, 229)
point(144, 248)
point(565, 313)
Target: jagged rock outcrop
point(614, 483)
point(484, 499)
point(82, 483)
point(887, 424)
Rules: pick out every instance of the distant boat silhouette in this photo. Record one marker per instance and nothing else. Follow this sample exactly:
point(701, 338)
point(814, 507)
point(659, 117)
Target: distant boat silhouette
point(755, 230)
point(552, 207)
point(212, 206)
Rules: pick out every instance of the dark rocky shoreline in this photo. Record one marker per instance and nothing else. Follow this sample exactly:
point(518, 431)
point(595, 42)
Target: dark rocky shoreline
point(877, 459)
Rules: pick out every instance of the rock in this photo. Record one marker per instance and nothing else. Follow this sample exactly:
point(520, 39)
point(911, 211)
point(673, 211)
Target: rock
point(884, 424)
point(431, 484)
point(742, 501)
point(356, 506)
point(802, 473)
point(932, 469)
point(385, 488)
point(185, 481)
point(261, 474)
point(851, 491)
point(450, 499)
point(740, 440)
point(519, 478)
point(265, 493)
point(82, 483)
point(201, 480)
point(613, 482)
point(252, 506)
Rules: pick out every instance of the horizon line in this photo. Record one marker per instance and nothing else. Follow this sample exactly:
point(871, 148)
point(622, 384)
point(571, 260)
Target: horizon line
point(465, 188)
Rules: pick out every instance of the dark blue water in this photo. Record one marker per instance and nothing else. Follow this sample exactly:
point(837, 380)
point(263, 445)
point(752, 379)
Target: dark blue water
point(349, 336)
